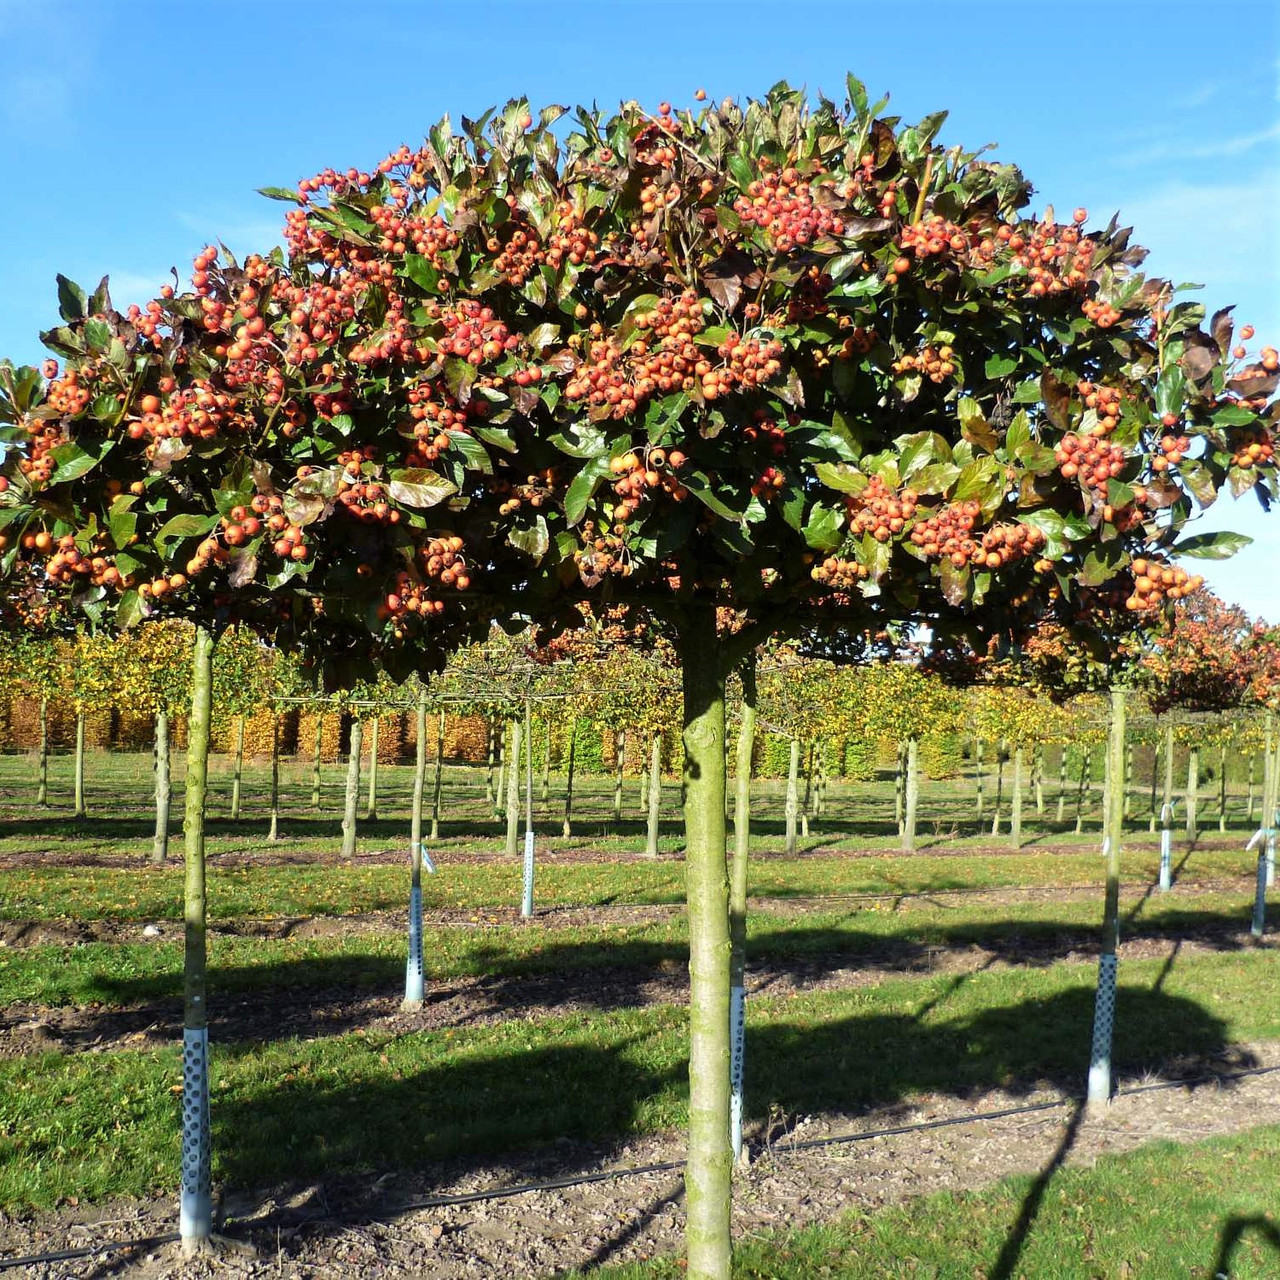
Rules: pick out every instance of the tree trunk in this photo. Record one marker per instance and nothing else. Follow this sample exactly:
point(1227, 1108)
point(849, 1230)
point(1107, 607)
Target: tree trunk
point(81, 807)
point(995, 817)
point(1037, 776)
point(273, 832)
point(644, 790)
point(42, 792)
point(1248, 805)
point(566, 827)
point(655, 794)
point(352, 803)
point(237, 774)
point(419, 774)
point(164, 789)
point(1113, 825)
point(1062, 783)
point(808, 793)
point(1015, 804)
point(793, 796)
point(1125, 779)
point(620, 748)
point(439, 779)
point(500, 793)
point(911, 797)
point(512, 762)
point(546, 761)
point(317, 753)
point(900, 787)
point(196, 1204)
point(1086, 769)
point(709, 1160)
point(977, 774)
point(738, 903)
point(1155, 780)
point(1193, 790)
point(1222, 788)
point(489, 794)
point(371, 808)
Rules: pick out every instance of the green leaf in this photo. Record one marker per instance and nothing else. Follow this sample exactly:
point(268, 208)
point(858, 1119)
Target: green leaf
point(1018, 434)
point(1170, 391)
point(1212, 546)
point(978, 481)
point(1000, 366)
point(183, 526)
point(917, 451)
point(419, 487)
point(75, 461)
point(840, 476)
point(583, 488)
point(825, 528)
point(533, 541)
point(664, 415)
point(129, 612)
point(862, 288)
point(1234, 416)
point(420, 270)
point(581, 439)
point(279, 193)
point(71, 300)
point(475, 455)
point(498, 437)
point(97, 335)
point(955, 582)
point(121, 521)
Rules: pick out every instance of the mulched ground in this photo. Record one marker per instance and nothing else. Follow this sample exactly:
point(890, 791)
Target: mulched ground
point(348, 1228)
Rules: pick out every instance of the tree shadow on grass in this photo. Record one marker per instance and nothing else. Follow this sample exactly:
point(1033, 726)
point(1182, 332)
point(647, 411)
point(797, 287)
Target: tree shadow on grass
point(1233, 1234)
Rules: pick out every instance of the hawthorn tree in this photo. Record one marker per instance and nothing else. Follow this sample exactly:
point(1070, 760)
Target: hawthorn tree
point(792, 358)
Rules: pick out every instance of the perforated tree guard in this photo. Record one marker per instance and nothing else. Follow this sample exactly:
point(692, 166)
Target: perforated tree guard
point(737, 1063)
point(526, 902)
point(196, 1201)
point(1104, 1021)
point(1259, 925)
point(413, 982)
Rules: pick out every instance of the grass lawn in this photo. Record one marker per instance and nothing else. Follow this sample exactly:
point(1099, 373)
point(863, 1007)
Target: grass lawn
point(1193, 1212)
point(95, 1125)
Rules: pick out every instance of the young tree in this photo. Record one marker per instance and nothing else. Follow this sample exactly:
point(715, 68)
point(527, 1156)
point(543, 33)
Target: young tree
point(784, 357)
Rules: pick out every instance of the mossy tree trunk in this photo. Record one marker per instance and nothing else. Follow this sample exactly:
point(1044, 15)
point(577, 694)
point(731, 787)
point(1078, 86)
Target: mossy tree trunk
point(164, 788)
point(196, 1202)
point(352, 801)
point(709, 1160)
point(738, 902)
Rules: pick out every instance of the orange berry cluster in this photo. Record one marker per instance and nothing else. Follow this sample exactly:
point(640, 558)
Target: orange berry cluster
point(809, 296)
point(400, 232)
point(536, 491)
point(147, 322)
point(408, 596)
point(367, 502)
point(933, 236)
point(1055, 258)
point(1105, 402)
point(1172, 450)
point(751, 362)
point(767, 430)
point(1103, 314)
point(1089, 460)
point(1270, 359)
point(858, 343)
point(602, 553)
point(66, 396)
point(37, 464)
point(880, 511)
point(68, 562)
point(318, 313)
point(198, 411)
point(636, 476)
point(1252, 448)
point(1004, 543)
point(836, 572)
point(935, 364)
point(653, 145)
point(783, 205)
point(473, 332)
point(1154, 582)
point(443, 561)
point(768, 483)
point(948, 532)
point(210, 551)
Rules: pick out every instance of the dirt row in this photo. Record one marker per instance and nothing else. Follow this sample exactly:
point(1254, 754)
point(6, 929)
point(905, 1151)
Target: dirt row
point(314, 1013)
point(367, 1227)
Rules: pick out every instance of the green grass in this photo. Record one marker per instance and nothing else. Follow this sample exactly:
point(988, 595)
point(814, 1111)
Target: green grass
point(100, 1125)
point(1193, 1212)
point(144, 892)
point(114, 974)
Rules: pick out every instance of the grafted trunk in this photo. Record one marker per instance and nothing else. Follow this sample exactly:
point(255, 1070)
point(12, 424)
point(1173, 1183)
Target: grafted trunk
point(738, 903)
point(237, 772)
point(1037, 776)
point(655, 794)
point(1015, 806)
point(911, 797)
point(566, 827)
point(1222, 788)
point(546, 761)
point(489, 794)
point(1086, 767)
point(1062, 783)
point(81, 807)
point(273, 832)
point(1193, 791)
point(620, 747)
point(709, 1161)
point(42, 790)
point(196, 1203)
point(439, 779)
point(978, 779)
point(808, 794)
point(316, 754)
point(512, 761)
point(371, 807)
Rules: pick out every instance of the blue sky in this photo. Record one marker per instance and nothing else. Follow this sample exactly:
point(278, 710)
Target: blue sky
point(131, 133)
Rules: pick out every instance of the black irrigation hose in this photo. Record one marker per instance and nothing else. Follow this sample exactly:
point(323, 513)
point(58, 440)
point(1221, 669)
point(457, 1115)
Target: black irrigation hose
point(666, 1166)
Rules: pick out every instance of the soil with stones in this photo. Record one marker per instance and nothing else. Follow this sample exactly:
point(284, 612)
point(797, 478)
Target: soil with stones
point(312, 1013)
point(383, 1228)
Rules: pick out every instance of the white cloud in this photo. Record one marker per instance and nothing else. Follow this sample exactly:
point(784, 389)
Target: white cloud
point(1181, 149)
point(240, 234)
point(136, 286)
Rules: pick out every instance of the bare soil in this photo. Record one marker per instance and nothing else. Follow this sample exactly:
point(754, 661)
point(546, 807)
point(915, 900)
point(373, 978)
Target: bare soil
point(356, 1227)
